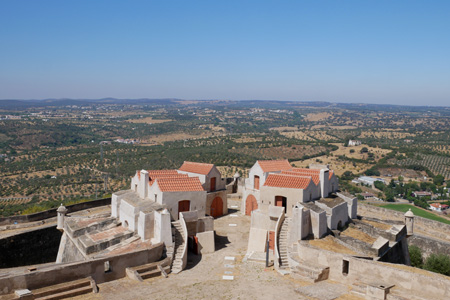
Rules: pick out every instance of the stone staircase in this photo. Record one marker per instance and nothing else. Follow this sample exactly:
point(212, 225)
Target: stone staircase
point(159, 268)
point(283, 245)
point(180, 244)
point(359, 288)
point(66, 289)
point(310, 273)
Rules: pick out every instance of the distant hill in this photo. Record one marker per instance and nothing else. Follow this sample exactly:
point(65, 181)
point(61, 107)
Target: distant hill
point(15, 104)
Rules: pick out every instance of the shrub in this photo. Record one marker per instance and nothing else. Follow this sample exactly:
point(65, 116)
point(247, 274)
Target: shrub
point(415, 255)
point(439, 263)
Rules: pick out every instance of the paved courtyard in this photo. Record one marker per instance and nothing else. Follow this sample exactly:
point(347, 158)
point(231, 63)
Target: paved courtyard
point(204, 275)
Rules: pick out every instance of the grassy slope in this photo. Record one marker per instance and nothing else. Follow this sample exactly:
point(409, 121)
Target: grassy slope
point(416, 211)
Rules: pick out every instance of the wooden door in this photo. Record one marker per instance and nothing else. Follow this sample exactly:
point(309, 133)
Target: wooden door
point(278, 201)
point(184, 205)
point(212, 184)
point(256, 182)
point(272, 240)
point(281, 201)
point(250, 205)
point(217, 207)
point(195, 247)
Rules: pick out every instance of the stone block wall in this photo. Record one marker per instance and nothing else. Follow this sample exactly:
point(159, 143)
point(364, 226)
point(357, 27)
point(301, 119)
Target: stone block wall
point(435, 228)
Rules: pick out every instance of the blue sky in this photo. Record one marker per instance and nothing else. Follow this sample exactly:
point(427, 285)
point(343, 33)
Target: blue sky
point(395, 52)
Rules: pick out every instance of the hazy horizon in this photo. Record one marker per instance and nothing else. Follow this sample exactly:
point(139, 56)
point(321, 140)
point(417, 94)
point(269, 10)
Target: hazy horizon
point(379, 52)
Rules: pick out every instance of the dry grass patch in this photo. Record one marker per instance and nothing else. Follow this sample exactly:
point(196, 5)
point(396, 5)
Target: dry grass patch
point(321, 135)
point(341, 166)
point(284, 129)
point(387, 134)
point(300, 135)
point(314, 117)
point(343, 127)
point(338, 166)
point(282, 152)
point(359, 235)
point(148, 120)
point(377, 224)
point(329, 243)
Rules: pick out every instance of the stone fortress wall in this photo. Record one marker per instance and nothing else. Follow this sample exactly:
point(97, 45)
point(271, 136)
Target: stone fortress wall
point(52, 212)
point(437, 229)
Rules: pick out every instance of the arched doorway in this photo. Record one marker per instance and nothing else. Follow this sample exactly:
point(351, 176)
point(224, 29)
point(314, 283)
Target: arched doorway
point(217, 207)
point(184, 205)
point(250, 205)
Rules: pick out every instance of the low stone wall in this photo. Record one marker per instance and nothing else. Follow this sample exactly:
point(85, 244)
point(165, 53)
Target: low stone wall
point(429, 245)
point(418, 282)
point(438, 229)
point(28, 248)
point(52, 212)
point(59, 273)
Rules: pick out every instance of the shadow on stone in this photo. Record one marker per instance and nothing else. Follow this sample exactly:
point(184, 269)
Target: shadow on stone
point(220, 241)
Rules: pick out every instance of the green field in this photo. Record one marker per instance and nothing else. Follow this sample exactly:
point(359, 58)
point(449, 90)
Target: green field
point(417, 211)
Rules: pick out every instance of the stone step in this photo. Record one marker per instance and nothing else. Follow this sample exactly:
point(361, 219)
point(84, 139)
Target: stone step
point(151, 266)
point(76, 286)
point(150, 274)
point(67, 294)
point(315, 273)
point(296, 275)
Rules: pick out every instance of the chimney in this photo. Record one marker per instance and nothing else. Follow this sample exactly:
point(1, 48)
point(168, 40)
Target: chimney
point(143, 184)
point(324, 183)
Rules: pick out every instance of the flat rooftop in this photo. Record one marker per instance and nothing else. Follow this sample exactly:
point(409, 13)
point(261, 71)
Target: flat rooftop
point(331, 201)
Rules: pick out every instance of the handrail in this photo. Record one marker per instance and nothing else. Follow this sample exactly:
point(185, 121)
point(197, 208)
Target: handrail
point(185, 236)
point(277, 233)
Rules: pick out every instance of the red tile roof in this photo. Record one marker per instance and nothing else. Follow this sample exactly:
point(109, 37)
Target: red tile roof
point(315, 178)
point(153, 177)
point(161, 172)
point(438, 205)
point(306, 170)
point(313, 173)
point(187, 184)
point(287, 181)
point(197, 168)
point(274, 165)
point(331, 174)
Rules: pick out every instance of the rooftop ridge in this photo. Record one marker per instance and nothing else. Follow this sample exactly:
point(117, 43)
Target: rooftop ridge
point(195, 167)
point(179, 184)
point(274, 165)
point(288, 181)
point(315, 178)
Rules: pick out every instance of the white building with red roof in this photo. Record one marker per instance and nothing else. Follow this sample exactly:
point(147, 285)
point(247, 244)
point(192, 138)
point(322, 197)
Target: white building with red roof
point(189, 198)
point(303, 201)
point(208, 174)
point(260, 193)
point(286, 190)
point(438, 207)
point(179, 194)
point(212, 182)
